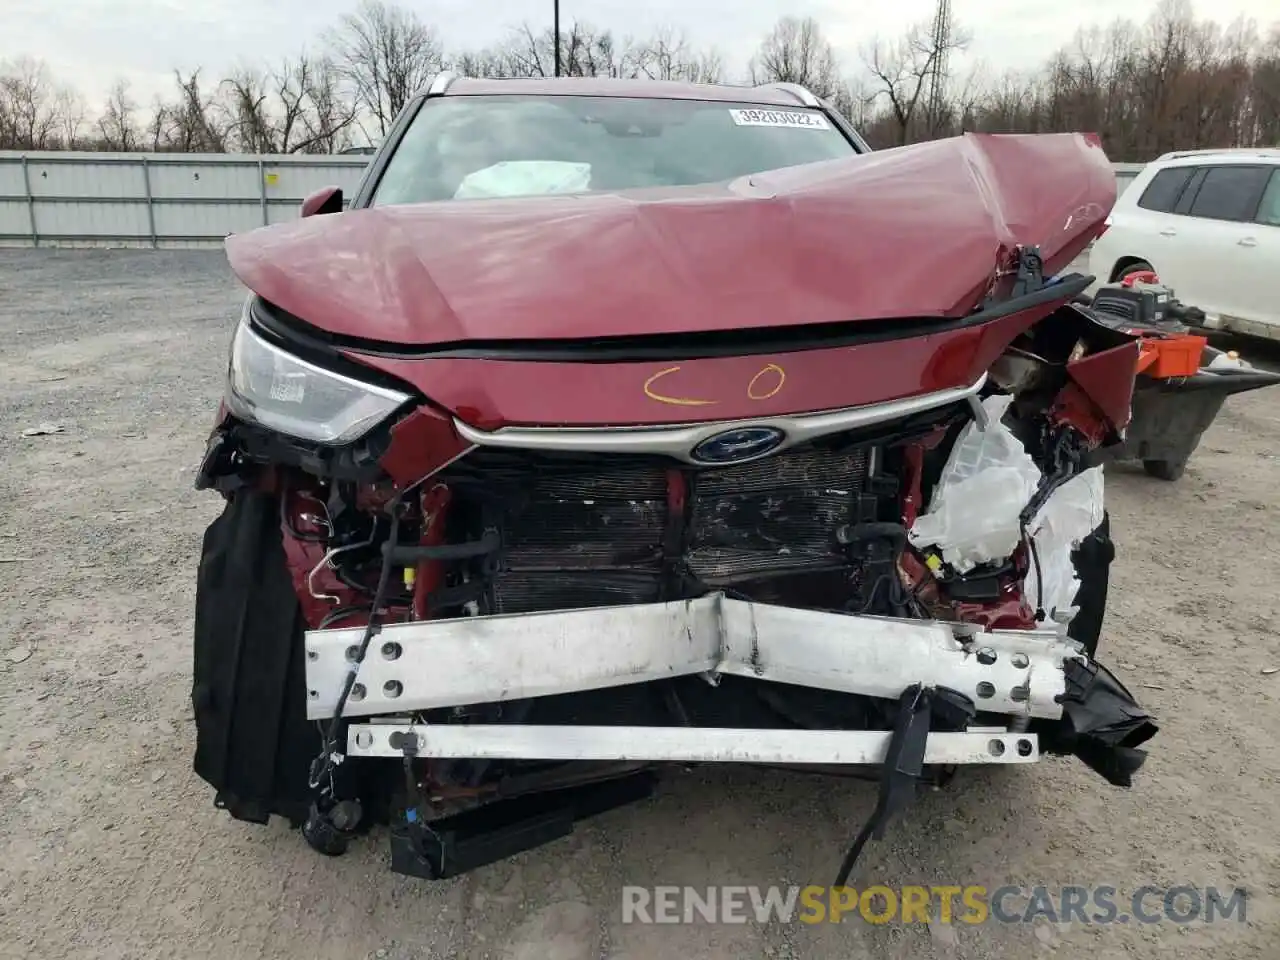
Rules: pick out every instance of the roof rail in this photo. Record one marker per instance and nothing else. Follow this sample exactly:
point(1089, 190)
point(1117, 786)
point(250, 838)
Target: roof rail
point(440, 83)
point(1230, 151)
point(803, 94)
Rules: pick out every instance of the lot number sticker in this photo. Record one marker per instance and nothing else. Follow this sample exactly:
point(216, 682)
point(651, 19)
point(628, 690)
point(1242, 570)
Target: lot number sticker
point(779, 118)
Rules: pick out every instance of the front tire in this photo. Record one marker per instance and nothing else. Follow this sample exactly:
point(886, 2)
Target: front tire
point(1138, 266)
point(1168, 470)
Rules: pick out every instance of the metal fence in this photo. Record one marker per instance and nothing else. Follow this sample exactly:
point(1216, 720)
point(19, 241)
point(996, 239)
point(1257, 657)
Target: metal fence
point(170, 200)
point(1125, 172)
point(156, 199)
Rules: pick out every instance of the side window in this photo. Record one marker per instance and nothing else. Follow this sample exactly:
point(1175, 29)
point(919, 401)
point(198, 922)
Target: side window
point(1269, 211)
point(1230, 193)
point(1164, 189)
point(1189, 195)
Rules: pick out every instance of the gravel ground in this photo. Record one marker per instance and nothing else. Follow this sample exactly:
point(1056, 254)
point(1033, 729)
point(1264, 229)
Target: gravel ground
point(110, 846)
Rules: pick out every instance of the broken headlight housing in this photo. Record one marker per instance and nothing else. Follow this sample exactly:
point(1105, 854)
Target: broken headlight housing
point(270, 386)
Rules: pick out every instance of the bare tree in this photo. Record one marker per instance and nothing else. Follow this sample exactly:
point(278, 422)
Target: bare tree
point(309, 90)
point(967, 101)
point(1264, 91)
point(247, 118)
point(296, 108)
point(1169, 82)
point(796, 51)
point(530, 54)
point(489, 62)
point(668, 55)
point(292, 84)
point(29, 118)
point(71, 113)
point(194, 122)
point(385, 54)
point(584, 52)
point(158, 125)
point(117, 126)
point(856, 100)
point(902, 69)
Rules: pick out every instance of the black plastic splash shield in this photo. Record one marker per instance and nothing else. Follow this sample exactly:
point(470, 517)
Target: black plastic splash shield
point(1101, 723)
point(253, 742)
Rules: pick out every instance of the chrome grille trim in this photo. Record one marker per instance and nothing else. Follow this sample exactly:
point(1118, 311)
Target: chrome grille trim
point(678, 441)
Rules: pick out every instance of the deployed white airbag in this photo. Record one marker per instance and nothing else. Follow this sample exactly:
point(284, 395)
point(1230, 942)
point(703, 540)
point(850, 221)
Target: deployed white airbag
point(525, 178)
point(1072, 512)
point(986, 483)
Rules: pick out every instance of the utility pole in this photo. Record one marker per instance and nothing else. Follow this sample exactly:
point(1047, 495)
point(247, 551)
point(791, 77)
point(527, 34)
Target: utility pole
point(557, 30)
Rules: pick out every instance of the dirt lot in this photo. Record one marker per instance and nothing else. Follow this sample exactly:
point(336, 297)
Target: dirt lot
point(110, 847)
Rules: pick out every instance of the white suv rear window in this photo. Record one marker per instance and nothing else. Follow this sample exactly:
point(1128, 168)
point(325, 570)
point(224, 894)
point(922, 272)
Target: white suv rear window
point(1230, 193)
point(1269, 211)
point(1164, 189)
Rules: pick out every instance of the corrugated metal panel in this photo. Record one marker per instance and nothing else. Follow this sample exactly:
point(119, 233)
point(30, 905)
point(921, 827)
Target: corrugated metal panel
point(80, 219)
point(206, 219)
point(157, 199)
point(14, 219)
point(281, 212)
point(206, 181)
point(295, 181)
point(11, 184)
point(86, 179)
point(172, 200)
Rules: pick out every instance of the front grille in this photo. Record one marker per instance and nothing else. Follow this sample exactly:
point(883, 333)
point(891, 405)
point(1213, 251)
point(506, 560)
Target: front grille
point(771, 516)
point(587, 531)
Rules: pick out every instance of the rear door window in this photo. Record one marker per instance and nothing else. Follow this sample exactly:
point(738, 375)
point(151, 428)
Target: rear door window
point(1269, 211)
point(1189, 194)
point(1164, 189)
point(1231, 193)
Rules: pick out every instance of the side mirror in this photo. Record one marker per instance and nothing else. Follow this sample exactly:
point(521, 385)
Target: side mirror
point(324, 200)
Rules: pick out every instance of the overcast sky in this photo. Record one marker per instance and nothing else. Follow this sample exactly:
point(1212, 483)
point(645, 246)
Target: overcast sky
point(89, 42)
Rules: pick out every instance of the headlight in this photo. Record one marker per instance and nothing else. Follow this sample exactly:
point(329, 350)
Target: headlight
point(272, 387)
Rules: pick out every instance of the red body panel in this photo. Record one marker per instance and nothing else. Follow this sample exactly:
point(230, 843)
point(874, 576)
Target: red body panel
point(920, 231)
point(493, 393)
point(421, 443)
point(1107, 378)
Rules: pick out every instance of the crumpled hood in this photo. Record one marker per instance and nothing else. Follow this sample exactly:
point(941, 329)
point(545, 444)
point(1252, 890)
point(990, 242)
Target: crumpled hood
point(917, 231)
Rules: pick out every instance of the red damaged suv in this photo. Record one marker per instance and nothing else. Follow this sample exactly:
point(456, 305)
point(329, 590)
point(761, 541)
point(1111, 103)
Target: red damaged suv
point(621, 423)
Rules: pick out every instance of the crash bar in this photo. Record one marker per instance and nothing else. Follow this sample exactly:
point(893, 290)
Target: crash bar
point(455, 662)
point(678, 744)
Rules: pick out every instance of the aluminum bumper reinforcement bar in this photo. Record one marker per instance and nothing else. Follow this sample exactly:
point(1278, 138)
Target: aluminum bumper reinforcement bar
point(679, 744)
point(444, 663)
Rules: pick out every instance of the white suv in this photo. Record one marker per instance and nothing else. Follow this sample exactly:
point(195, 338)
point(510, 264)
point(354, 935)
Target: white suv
point(1208, 223)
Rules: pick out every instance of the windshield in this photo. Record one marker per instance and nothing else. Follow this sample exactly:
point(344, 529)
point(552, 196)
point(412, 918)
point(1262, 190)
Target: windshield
point(489, 146)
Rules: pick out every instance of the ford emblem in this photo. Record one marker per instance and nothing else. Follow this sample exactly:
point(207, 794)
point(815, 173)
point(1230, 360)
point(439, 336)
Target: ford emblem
point(734, 446)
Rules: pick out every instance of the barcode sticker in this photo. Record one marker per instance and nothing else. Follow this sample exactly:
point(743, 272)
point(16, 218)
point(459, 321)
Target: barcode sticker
point(795, 119)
